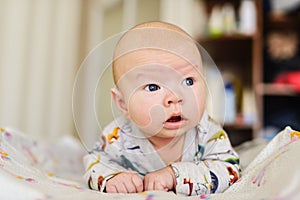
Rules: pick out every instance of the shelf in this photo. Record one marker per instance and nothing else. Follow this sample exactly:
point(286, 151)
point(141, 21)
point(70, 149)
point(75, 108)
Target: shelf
point(283, 18)
point(232, 37)
point(240, 127)
point(276, 89)
point(239, 133)
point(282, 22)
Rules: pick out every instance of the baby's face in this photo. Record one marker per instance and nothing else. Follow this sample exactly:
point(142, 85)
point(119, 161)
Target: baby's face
point(163, 93)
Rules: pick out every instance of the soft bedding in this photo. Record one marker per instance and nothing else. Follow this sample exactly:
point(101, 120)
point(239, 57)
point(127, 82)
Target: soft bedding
point(31, 169)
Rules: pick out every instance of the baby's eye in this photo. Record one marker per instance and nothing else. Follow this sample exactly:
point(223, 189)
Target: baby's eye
point(188, 82)
point(152, 87)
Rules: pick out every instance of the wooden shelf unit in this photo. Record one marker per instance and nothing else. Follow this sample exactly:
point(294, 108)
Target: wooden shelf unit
point(276, 89)
point(279, 102)
point(240, 54)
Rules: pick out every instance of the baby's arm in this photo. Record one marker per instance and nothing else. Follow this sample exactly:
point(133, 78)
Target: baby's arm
point(214, 171)
point(107, 176)
point(99, 170)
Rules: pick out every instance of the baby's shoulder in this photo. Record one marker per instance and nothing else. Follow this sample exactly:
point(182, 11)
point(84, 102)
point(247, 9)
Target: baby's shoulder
point(208, 125)
point(208, 121)
point(118, 124)
point(113, 131)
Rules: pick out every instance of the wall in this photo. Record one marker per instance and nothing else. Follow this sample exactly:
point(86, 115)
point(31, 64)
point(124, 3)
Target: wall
point(43, 44)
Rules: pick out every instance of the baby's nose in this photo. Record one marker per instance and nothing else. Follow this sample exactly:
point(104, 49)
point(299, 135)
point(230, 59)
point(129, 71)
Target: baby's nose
point(172, 98)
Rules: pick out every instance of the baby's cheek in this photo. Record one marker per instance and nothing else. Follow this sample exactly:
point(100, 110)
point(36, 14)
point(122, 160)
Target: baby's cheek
point(149, 118)
point(140, 116)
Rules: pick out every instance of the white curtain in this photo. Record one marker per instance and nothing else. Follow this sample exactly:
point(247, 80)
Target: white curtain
point(42, 43)
point(188, 14)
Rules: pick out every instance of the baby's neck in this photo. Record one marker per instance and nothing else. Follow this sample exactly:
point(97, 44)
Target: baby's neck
point(169, 149)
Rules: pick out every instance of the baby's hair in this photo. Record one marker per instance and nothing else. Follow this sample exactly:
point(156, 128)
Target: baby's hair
point(146, 25)
point(160, 24)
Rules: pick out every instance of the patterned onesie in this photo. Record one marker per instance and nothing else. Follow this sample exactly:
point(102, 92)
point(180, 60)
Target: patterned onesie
point(208, 163)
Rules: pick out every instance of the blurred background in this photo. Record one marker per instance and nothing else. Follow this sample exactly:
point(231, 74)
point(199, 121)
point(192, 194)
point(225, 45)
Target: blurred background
point(254, 43)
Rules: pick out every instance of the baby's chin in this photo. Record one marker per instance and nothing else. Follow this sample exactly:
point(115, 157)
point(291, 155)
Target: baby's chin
point(167, 133)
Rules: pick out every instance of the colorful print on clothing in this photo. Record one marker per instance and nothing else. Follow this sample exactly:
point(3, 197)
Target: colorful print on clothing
point(233, 175)
point(190, 184)
point(233, 161)
point(205, 151)
point(199, 153)
point(94, 163)
point(201, 188)
point(113, 136)
point(100, 182)
point(128, 165)
point(214, 182)
point(220, 135)
point(134, 148)
point(90, 183)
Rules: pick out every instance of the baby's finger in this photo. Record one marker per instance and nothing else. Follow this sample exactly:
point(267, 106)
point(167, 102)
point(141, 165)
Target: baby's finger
point(111, 188)
point(148, 184)
point(121, 188)
point(138, 183)
point(130, 187)
point(158, 186)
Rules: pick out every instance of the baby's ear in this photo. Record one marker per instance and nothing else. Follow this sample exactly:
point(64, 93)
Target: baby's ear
point(119, 100)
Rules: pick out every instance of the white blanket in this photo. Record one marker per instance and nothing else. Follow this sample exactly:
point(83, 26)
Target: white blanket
point(39, 170)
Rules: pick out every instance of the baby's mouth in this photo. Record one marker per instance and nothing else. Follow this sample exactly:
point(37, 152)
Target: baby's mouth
point(175, 122)
point(175, 119)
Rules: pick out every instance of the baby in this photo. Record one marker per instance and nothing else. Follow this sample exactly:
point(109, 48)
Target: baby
point(164, 139)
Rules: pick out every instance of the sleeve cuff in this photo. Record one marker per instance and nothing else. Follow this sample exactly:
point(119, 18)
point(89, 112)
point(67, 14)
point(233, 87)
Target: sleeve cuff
point(189, 181)
point(99, 183)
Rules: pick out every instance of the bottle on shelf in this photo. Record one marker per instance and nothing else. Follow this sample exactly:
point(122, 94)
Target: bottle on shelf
point(247, 17)
point(230, 104)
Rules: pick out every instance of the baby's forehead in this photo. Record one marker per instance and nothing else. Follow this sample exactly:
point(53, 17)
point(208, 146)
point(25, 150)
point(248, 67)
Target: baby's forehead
point(174, 70)
point(155, 62)
point(158, 59)
point(151, 40)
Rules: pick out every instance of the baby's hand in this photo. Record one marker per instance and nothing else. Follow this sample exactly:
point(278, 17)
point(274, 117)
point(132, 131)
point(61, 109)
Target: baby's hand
point(163, 179)
point(125, 182)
